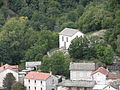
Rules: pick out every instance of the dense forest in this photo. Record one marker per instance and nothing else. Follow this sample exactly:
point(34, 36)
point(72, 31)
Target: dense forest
point(29, 28)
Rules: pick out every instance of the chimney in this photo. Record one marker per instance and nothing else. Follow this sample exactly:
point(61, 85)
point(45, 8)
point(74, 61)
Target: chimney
point(50, 72)
point(1, 64)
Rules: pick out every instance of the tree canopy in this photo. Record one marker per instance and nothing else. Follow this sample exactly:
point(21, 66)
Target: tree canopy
point(58, 64)
point(8, 81)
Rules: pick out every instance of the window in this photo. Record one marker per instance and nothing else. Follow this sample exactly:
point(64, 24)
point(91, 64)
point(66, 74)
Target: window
point(78, 88)
point(35, 81)
point(69, 88)
point(53, 81)
point(29, 81)
point(62, 38)
point(41, 88)
point(29, 87)
point(67, 39)
point(41, 82)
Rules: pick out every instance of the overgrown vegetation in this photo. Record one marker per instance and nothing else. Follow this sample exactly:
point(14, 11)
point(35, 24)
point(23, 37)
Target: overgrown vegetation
point(29, 28)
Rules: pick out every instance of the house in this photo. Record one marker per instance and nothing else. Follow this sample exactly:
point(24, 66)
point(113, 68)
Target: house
point(33, 65)
point(104, 87)
point(76, 85)
point(40, 81)
point(81, 71)
point(5, 69)
point(113, 76)
point(67, 35)
point(100, 75)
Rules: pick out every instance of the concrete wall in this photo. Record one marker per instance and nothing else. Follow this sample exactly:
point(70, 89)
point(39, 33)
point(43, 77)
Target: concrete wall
point(52, 82)
point(70, 38)
point(39, 84)
point(80, 75)
point(48, 84)
point(99, 78)
point(73, 88)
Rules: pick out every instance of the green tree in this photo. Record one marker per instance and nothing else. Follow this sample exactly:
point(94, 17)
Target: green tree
point(57, 63)
point(47, 40)
point(83, 47)
point(18, 86)
point(91, 48)
point(118, 45)
point(8, 81)
point(95, 17)
point(16, 37)
point(105, 53)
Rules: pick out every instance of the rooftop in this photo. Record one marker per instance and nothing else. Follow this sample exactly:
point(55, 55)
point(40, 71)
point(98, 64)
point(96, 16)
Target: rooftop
point(101, 70)
point(113, 76)
point(38, 75)
point(77, 83)
point(69, 31)
point(114, 67)
point(7, 66)
point(82, 66)
point(33, 64)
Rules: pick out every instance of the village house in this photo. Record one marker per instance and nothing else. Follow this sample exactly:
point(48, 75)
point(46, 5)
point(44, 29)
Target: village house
point(104, 87)
point(81, 71)
point(80, 77)
point(5, 69)
point(100, 75)
point(40, 81)
point(67, 35)
point(76, 85)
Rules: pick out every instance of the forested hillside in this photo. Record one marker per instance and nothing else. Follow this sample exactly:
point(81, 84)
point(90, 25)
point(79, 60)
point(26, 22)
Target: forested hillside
point(29, 28)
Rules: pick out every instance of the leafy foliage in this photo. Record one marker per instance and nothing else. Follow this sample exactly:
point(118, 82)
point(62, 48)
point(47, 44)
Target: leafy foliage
point(57, 63)
point(8, 81)
point(91, 48)
point(18, 86)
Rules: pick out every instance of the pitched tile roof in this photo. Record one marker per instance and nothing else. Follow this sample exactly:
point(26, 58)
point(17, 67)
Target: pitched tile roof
point(7, 66)
point(101, 70)
point(113, 76)
point(82, 66)
point(37, 75)
point(69, 31)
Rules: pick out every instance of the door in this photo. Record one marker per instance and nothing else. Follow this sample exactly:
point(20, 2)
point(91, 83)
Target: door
point(64, 45)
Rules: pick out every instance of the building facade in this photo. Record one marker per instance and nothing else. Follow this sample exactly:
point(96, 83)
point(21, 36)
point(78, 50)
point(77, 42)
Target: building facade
point(67, 35)
point(5, 69)
point(81, 71)
point(40, 81)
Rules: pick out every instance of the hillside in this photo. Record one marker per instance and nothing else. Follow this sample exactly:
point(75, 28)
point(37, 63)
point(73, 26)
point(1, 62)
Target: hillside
point(29, 28)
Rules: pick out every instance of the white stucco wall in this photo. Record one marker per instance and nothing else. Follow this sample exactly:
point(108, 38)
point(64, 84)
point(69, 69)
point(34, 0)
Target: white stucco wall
point(99, 78)
point(32, 84)
point(3, 75)
point(80, 75)
point(45, 85)
point(62, 88)
point(109, 88)
point(70, 38)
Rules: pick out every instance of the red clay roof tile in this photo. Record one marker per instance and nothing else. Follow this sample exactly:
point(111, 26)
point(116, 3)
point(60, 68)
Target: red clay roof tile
point(101, 70)
point(38, 75)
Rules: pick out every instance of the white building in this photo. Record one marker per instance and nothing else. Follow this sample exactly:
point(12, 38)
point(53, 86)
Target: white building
point(5, 69)
point(81, 71)
point(100, 75)
point(32, 65)
point(67, 35)
point(40, 81)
